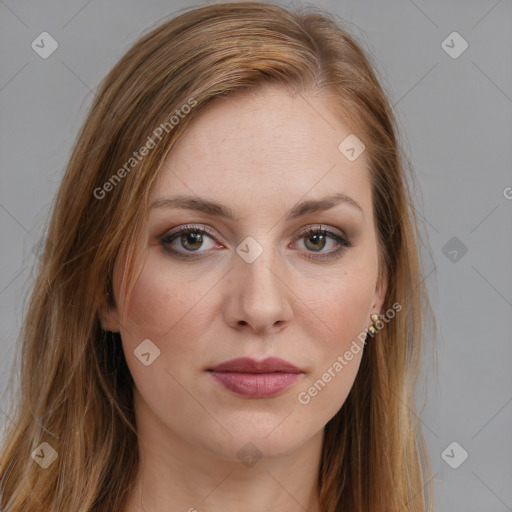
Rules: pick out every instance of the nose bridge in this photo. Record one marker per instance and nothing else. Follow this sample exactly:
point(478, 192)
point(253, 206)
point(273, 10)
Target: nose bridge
point(261, 296)
point(257, 264)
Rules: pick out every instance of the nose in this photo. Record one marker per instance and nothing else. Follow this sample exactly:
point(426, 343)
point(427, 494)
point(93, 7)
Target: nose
point(258, 295)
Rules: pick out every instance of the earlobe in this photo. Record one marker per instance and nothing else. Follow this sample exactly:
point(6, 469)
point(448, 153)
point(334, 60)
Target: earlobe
point(109, 319)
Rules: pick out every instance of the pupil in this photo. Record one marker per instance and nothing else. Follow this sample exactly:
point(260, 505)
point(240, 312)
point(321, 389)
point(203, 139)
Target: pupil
point(192, 238)
point(317, 237)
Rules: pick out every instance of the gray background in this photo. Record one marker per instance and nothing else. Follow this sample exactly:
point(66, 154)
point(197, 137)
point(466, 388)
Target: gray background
point(455, 117)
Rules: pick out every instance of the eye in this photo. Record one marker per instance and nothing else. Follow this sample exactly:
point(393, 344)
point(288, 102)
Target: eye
point(191, 238)
point(316, 239)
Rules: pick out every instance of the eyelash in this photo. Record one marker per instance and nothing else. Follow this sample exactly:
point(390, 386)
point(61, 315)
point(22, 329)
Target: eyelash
point(334, 254)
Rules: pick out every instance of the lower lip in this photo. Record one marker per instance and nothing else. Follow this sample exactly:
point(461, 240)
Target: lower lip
point(256, 385)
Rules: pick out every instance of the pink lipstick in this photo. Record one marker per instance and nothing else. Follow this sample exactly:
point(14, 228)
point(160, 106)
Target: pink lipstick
point(256, 379)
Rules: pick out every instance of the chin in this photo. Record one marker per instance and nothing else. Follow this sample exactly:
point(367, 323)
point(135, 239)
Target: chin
point(269, 436)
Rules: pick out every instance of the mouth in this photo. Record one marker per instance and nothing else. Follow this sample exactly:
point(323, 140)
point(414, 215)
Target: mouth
point(256, 379)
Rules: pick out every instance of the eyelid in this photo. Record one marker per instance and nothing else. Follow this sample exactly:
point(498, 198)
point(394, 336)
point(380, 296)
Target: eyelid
point(322, 227)
point(190, 227)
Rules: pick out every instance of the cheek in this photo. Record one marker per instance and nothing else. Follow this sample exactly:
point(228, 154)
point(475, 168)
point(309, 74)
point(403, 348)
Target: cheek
point(340, 301)
point(346, 305)
point(344, 314)
point(165, 305)
point(343, 305)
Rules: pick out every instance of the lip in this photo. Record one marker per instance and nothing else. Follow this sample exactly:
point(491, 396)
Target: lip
point(256, 379)
point(248, 365)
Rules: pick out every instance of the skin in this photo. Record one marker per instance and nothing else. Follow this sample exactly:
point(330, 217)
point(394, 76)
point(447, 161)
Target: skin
point(259, 154)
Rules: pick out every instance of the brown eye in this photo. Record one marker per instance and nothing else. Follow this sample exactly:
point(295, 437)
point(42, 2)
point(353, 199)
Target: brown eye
point(316, 240)
point(188, 239)
point(191, 240)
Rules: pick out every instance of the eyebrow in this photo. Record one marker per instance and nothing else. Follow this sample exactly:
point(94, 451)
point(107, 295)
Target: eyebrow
point(213, 208)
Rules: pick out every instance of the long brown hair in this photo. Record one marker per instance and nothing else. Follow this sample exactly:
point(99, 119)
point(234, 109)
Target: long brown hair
point(75, 387)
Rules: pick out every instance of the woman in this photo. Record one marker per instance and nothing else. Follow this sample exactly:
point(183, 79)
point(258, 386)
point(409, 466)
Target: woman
point(229, 308)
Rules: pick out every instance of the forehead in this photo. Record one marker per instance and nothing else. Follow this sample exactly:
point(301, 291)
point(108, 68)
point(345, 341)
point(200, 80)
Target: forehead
point(264, 146)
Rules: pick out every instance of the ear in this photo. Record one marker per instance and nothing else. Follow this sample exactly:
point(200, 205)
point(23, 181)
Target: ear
point(380, 291)
point(109, 318)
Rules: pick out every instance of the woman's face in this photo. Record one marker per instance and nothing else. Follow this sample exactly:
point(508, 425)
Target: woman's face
point(255, 286)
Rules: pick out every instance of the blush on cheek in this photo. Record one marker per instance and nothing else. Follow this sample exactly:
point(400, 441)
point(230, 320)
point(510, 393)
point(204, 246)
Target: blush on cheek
point(155, 305)
point(344, 307)
point(168, 312)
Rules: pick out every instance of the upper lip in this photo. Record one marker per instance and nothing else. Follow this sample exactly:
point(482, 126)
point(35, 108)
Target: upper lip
point(248, 365)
